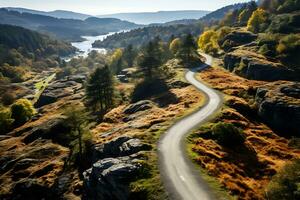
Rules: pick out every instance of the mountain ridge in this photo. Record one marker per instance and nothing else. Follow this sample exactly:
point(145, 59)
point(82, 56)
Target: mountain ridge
point(55, 13)
point(69, 29)
point(158, 17)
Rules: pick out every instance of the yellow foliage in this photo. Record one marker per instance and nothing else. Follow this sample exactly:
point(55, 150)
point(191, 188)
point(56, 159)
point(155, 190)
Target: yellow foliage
point(118, 53)
point(257, 19)
point(22, 110)
point(208, 41)
point(175, 45)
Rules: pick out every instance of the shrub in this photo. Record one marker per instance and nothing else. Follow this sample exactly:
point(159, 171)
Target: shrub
point(208, 42)
point(285, 185)
point(8, 98)
point(175, 45)
point(227, 134)
point(257, 21)
point(5, 120)
point(268, 43)
point(22, 111)
point(16, 74)
point(148, 88)
point(288, 50)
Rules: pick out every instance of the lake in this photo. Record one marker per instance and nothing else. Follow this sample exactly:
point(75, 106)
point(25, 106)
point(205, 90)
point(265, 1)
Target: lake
point(85, 47)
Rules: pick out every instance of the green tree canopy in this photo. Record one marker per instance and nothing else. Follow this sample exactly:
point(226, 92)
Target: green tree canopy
point(257, 21)
point(22, 111)
point(151, 58)
point(100, 89)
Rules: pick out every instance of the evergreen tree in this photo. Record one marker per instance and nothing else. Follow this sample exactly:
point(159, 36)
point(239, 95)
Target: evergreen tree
point(188, 51)
point(151, 59)
point(230, 18)
point(129, 55)
point(100, 89)
point(246, 13)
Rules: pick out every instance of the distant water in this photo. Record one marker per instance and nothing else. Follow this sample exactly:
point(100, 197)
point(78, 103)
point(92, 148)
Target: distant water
point(85, 47)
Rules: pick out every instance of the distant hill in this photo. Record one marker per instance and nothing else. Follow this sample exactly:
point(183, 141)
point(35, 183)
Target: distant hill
point(158, 17)
point(56, 13)
point(220, 13)
point(178, 28)
point(67, 29)
point(14, 37)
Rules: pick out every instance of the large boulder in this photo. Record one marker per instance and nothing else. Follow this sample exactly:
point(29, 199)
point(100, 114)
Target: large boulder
point(109, 178)
point(279, 106)
point(116, 163)
point(237, 38)
point(57, 90)
point(254, 66)
point(121, 146)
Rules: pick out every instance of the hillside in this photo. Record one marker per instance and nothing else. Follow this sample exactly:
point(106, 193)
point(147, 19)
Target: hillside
point(68, 29)
point(256, 134)
point(23, 51)
point(13, 37)
point(194, 108)
point(177, 28)
point(56, 13)
point(141, 36)
point(157, 17)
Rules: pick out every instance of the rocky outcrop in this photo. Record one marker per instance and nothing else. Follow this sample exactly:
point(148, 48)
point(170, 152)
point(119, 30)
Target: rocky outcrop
point(178, 84)
point(121, 146)
point(109, 178)
point(59, 89)
point(138, 106)
point(54, 129)
point(116, 164)
point(237, 38)
point(254, 66)
point(279, 106)
point(33, 168)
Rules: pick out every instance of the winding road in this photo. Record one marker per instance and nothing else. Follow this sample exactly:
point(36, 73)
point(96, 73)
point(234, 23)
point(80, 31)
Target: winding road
point(179, 174)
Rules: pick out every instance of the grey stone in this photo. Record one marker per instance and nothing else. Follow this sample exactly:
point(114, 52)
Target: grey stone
point(109, 178)
point(138, 106)
point(121, 146)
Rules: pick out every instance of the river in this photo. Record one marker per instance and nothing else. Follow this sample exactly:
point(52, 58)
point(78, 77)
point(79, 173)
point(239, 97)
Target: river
point(85, 47)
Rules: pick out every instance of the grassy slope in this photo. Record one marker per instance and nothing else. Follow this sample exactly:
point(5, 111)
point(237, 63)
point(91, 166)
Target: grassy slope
point(234, 170)
point(149, 185)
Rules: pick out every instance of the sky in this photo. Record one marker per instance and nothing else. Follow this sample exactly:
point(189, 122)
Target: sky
point(95, 7)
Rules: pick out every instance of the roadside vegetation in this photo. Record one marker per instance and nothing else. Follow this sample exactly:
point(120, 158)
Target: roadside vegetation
point(236, 152)
point(275, 22)
point(285, 184)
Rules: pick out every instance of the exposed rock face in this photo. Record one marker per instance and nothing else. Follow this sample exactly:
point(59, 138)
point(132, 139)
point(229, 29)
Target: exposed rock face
point(34, 169)
point(59, 89)
point(116, 164)
point(109, 178)
point(54, 129)
point(237, 38)
point(279, 106)
point(254, 66)
point(121, 146)
point(138, 106)
point(178, 84)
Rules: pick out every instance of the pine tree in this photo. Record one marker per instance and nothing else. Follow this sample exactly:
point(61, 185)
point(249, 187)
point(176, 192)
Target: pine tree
point(129, 55)
point(188, 51)
point(100, 89)
point(151, 59)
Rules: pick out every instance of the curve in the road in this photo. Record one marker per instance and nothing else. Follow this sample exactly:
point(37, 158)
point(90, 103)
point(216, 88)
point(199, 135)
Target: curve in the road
point(180, 177)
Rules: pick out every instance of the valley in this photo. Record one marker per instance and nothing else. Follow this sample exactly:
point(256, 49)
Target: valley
point(203, 107)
